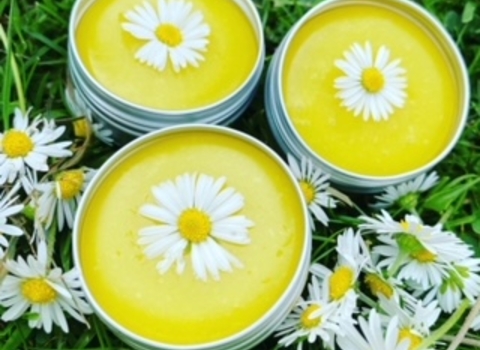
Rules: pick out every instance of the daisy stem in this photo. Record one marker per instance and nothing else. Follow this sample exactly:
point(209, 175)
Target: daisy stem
point(15, 71)
point(396, 266)
point(466, 325)
point(440, 332)
point(465, 340)
point(367, 300)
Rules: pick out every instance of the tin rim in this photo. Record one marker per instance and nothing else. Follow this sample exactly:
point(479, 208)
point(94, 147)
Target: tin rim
point(263, 326)
point(249, 11)
point(452, 53)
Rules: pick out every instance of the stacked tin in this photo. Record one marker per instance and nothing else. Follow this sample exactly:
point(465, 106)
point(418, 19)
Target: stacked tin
point(128, 120)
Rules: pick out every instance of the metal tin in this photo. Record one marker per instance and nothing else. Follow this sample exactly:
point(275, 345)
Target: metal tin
point(128, 120)
point(292, 142)
point(263, 326)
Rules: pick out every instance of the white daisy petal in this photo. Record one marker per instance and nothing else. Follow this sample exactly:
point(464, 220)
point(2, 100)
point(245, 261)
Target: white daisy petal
point(138, 31)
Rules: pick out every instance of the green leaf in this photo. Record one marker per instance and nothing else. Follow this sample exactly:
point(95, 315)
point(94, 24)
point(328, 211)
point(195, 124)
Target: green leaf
point(452, 21)
point(469, 12)
point(476, 224)
point(17, 337)
point(444, 196)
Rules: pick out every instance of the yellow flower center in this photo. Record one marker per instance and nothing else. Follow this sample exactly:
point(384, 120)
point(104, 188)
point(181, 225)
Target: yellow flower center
point(378, 286)
point(308, 191)
point(373, 80)
point(38, 291)
point(405, 225)
point(424, 256)
point(194, 225)
point(69, 184)
point(341, 281)
point(17, 144)
point(81, 128)
point(169, 34)
point(407, 333)
point(307, 321)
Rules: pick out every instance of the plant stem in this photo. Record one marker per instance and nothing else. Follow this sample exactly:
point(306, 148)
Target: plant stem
point(15, 71)
point(466, 326)
point(367, 300)
point(466, 341)
point(392, 271)
point(440, 332)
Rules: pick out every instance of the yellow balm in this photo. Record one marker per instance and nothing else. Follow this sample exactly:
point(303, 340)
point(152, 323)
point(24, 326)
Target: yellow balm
point(108, 52)
point(180, 309)
point(413, 135)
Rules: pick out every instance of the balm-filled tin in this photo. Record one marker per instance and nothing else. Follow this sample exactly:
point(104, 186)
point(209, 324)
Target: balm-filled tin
point(142, 65)
point(373, 92)
point(193, 237)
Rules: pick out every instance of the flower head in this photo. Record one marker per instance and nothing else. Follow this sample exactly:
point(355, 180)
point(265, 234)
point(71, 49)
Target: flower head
point(421, 253)
point(61, 196)
point(172, 31)
point(341, 282)
point(312, 319)
point(373, 335)
point(415, 320)
point(85, 126)
point(373, 86)
point(195, 213)
point(314, 185)
point(7, 209)
point(461, 279)
point(406, 193)
point(27, 147)
point(47, 293)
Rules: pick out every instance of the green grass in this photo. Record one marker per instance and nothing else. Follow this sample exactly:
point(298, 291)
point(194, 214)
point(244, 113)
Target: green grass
point(37, 35)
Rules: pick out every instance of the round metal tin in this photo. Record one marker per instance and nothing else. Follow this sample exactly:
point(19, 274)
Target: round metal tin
point(253, 333)
point(136, 119)
point(292, 142)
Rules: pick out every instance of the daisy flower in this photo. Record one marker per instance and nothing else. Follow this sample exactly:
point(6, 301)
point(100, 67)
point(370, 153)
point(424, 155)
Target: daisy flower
point(172, 31)
point(406, 193)
point(415, 320)
point(462, 279)
point(412, 251)
point(46, 293)
point(7, 209)
point(61, 196)
point(26, 147)
point(314, 185)
point(341, 287)
point(194, 214)
point(372, 86)
point(342, 280)
point(84, 126)
point(312, 319)
point(373, 336)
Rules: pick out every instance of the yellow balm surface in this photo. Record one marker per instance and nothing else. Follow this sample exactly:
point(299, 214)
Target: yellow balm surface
point(413, 136)
point(108, 53)
point(180, 309)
